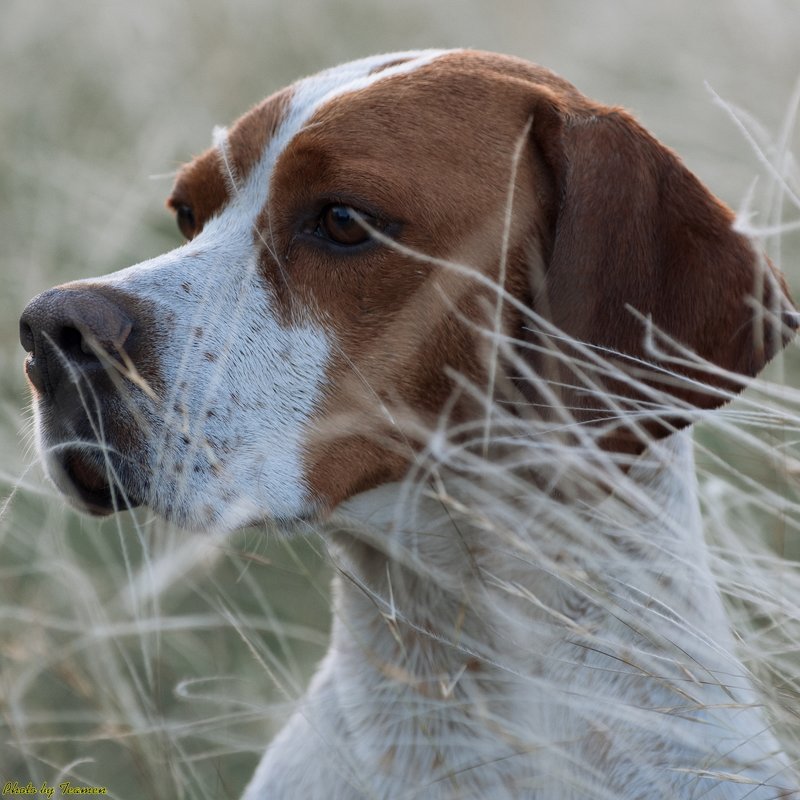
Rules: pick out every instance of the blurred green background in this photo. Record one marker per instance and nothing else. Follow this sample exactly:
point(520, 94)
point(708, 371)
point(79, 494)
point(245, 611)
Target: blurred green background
point(141, 658)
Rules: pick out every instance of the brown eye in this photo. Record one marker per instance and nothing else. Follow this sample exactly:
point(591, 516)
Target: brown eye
point(344, 226)
point(186, 220)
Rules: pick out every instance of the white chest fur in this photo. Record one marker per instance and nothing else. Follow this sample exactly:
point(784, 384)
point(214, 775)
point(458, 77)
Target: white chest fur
point(477, 660)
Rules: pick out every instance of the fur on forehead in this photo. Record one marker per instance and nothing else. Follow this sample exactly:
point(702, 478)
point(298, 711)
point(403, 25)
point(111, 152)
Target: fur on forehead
point(211, 180)
point(289, 110)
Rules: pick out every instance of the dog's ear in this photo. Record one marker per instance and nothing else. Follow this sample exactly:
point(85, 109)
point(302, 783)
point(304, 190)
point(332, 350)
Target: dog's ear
point(642, 261)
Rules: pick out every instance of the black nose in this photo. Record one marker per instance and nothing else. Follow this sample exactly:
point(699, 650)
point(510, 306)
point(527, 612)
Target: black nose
point(65, 329)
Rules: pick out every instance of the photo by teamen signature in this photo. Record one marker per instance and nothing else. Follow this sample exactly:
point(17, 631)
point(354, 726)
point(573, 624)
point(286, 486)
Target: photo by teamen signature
point(45, 790)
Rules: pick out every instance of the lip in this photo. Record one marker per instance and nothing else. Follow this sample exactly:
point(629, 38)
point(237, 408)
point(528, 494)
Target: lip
point(89, 483)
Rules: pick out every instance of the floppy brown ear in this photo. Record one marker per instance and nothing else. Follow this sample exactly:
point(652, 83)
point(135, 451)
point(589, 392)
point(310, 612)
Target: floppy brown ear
point(634, 231)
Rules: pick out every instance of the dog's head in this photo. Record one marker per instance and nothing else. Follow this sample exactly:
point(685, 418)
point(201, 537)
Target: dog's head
point(366, 247)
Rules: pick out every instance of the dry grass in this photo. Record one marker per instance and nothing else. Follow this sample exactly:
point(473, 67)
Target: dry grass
point(158, 664)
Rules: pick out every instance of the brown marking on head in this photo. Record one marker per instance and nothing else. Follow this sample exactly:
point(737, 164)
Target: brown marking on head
point(605, 218)
point(200, 187)
point(251, 133)
point(204, 185)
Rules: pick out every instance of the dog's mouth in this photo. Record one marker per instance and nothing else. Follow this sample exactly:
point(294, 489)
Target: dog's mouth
point(89, 484)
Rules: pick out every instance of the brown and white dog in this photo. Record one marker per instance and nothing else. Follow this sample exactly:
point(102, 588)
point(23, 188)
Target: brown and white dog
point(449, 307)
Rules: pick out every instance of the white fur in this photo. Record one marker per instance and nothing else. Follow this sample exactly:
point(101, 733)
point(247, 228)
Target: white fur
point(254, 436)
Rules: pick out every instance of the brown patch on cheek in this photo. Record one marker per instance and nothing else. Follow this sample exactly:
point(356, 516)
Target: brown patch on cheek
point(397, 382)
point(397, 379)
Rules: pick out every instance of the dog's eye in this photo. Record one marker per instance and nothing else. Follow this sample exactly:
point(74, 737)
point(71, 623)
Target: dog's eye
point(186, 220)
point(345, 226)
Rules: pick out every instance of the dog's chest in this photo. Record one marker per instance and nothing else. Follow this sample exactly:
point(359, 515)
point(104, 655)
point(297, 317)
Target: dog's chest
point(458, 670)
point(578, 724)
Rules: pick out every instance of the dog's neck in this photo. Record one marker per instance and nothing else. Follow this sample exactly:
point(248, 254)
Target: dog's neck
point(459, 619)
point(430, 563)
point(564, 653)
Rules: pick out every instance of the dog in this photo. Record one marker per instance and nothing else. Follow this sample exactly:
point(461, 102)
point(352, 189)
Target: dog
point(460, 317)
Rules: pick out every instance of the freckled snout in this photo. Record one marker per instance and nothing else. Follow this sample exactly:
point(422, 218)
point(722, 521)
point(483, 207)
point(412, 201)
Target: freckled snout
point(65, 330)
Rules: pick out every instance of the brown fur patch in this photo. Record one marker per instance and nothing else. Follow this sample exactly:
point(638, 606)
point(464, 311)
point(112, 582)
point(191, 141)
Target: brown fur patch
point(250, 135)
point(201, 186)
point(404, 323)
point(430, 154)
point(204, 184)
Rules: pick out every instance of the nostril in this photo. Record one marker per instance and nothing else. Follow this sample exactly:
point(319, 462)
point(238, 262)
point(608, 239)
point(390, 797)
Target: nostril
point(71, 327)
point(72, 343)
point(26, 337)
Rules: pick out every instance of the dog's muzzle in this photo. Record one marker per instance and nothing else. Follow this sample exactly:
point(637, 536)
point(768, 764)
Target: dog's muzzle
point(79, 342)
